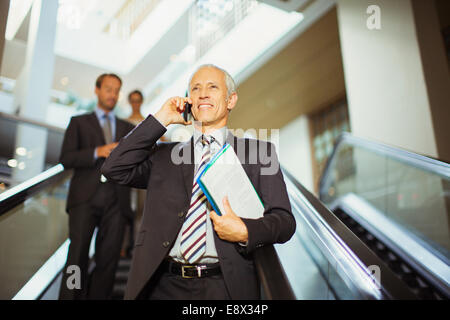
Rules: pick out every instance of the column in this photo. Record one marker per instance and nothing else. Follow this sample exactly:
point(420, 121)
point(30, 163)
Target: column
point(32, 91)
point(4, 8)
point(396, 73)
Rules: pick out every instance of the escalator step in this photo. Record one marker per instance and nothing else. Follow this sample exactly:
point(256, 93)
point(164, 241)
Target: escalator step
point(405, 269)
point(352, 222)
point(369, 237)
point(426, 294)
point(410, 280)
point(414, 281)
point(421, 283)
point(124, 265)
point(380, 246)
point(395, 266)
point(121, 277)
point(118, 292)
point(360, 230)
point(392, 257)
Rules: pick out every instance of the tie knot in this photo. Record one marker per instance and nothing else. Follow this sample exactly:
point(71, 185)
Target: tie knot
point(206, 140)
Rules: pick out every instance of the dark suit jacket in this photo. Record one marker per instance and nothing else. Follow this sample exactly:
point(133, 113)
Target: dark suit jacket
point(140, 162)
point(81, 138)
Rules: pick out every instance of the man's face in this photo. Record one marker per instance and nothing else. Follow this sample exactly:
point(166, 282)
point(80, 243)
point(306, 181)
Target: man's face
point(108, 93)
point(208, 92)
point(135, 101)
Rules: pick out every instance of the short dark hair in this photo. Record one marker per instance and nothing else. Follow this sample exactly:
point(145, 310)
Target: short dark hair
point(137, 92)
point(98, 82)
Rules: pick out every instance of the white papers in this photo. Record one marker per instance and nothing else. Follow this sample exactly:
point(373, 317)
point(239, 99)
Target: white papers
point(225, 176)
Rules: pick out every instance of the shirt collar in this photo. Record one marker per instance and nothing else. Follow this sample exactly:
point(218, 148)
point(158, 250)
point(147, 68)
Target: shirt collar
point(100, 113)
point(219, 135)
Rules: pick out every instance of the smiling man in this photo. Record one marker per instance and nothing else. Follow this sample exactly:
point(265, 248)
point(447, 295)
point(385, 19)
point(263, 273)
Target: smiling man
point(184, 250)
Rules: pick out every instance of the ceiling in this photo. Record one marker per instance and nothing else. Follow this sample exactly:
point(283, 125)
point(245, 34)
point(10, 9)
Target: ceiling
point(82, 71)
point(308, 69)
point(303, 78)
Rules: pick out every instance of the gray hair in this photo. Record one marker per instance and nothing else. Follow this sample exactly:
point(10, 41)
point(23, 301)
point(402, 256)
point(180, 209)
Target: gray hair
point(229, 81)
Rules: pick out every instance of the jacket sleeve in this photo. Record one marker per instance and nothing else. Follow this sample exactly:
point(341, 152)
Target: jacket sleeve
point(129, 163)
point(278, 224)
point(71, 154)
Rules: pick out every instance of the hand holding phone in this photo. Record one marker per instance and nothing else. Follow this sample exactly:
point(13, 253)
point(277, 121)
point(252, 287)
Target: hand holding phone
point(172, 111)
point(187, 110)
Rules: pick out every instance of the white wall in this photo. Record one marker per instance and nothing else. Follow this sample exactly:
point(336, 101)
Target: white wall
point(384, 78)
point(294, 151)
point(6, 102)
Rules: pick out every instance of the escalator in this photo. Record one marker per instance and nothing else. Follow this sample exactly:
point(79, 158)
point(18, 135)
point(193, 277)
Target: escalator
point(398, 204)
point(326, 261)
point(379, 231)
point(28, 147)
point(333, 254)
point(33, 221)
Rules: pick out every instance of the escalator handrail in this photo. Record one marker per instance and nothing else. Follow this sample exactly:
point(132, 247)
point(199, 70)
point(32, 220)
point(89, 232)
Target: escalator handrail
point(356, 257)
point(23, 191)
point(414, 159)
point(36, 123)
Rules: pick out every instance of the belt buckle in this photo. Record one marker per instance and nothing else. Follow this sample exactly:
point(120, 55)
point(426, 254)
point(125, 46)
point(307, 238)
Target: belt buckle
point(183, 271)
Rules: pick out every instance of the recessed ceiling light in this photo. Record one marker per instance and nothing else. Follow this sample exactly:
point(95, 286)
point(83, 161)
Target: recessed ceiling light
point(12, 163)
point(21, 151)
point(64, 81)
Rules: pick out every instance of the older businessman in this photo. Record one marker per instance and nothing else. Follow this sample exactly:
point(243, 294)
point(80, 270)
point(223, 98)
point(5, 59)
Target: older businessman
point(184, 250)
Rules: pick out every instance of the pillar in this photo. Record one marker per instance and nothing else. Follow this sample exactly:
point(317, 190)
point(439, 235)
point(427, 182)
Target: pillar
point(396, 74)
point(33, 86)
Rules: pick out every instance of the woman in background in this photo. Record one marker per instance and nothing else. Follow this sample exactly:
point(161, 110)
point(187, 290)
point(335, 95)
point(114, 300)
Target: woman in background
point(135, 98)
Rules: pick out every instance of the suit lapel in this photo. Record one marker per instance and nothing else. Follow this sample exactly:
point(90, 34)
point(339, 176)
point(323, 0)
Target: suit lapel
point(187, 154)
point(120, 128)
point(96, 125)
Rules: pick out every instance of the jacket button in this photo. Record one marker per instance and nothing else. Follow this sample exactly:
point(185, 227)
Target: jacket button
point(166, 244)
point(181, 214)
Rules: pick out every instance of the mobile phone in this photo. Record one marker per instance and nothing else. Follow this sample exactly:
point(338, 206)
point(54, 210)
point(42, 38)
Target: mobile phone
point(187, 111)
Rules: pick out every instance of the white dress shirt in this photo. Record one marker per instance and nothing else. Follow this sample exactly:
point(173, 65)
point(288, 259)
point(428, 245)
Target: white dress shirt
point(210, 255)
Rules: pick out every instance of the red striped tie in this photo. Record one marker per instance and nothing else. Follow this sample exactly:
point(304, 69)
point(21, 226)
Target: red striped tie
point(193, 232)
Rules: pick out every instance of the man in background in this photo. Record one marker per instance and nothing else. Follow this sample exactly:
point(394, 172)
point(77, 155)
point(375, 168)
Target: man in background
point(94, 201)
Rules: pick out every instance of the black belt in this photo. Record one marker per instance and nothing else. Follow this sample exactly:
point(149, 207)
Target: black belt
point(192, 270)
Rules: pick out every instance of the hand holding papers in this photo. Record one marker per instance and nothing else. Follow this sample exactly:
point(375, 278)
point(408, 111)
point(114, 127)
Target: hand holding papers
point(224, 176)
point(229, 226)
